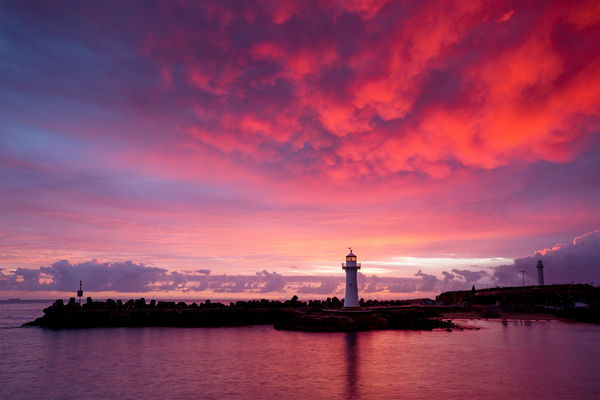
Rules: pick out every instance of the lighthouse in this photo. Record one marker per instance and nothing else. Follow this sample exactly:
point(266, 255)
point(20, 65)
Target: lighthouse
point(540, 271)
point(351, 267)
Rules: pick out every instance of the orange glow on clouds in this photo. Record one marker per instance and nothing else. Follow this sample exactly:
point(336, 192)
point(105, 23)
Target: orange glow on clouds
point(251, 136)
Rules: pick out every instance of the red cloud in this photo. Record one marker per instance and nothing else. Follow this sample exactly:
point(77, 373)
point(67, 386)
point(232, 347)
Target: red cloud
point(369, 84)
point(394, 122)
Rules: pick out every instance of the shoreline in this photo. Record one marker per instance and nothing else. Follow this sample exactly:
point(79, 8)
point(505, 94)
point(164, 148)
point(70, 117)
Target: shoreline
point(504, 316)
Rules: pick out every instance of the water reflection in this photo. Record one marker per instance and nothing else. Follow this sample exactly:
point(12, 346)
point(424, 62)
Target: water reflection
point(351, 339)
point(508, 359)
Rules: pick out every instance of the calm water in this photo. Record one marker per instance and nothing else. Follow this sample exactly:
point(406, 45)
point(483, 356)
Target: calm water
point(539, 360)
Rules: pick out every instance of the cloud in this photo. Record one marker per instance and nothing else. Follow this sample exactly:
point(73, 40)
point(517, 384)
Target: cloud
point(447, 276)
point(371, 286)
point(462, 279)
point(275, 282)
point(203, 271)
point(127, 276)
point(203, 286)
point(226, 125)
point(402, 98)
point(327, 286)
point(64, 277)
point(402, 288)
point(505, 17)
point(470, 276)
point(565, 263)
point(428, 283)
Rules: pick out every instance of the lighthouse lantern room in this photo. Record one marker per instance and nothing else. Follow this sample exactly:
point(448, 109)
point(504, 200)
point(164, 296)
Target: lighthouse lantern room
point(351, 267)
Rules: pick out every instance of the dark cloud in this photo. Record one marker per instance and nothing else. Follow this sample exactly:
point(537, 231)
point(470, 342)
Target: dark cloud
point(447, 276)
point(461, 279)
point(117, 277)
point(470, 276)
point(203, 271)
point(371, 286)
point(428, 283)
point(327, 286)
point(131, 277)
point(275, 282)
point(565, 263)
point(214, 285)
point(402, 288)
point(242, 284)
point(22, 279)
point(199, 288)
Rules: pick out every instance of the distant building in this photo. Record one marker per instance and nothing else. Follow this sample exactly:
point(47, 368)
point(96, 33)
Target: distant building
point(429, 302)
point(351, 267)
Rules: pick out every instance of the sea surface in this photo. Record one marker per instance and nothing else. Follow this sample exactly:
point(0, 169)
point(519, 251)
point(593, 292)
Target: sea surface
point(510, 360)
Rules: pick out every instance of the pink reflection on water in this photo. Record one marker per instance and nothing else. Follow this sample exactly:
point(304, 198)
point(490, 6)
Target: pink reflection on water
point(539, 360)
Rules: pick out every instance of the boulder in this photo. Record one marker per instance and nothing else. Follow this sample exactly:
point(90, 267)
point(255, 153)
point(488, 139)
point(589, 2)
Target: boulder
point(140, 304)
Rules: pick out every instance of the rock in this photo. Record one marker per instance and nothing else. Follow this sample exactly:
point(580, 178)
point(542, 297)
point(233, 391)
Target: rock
point(140, 304)
point(181, 305)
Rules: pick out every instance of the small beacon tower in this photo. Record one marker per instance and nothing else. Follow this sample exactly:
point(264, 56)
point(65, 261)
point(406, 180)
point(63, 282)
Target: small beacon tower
point(540, 270)
point(80, 293)
point(351, 267)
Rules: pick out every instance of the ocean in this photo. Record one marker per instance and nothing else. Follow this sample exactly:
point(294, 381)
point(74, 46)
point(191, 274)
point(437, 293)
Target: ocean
point(501, 360)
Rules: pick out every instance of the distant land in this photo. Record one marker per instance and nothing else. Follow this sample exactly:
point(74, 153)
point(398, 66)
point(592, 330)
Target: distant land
point(576, 302)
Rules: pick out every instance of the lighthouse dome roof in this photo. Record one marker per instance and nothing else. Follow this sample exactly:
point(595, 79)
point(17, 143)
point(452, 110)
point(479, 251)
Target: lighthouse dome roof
point(351, 254)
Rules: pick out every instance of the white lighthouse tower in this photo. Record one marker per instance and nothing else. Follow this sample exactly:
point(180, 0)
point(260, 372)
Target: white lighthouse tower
point(540, 271)
point(351, 267)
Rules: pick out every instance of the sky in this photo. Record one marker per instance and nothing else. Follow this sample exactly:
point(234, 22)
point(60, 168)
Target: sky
point(237, 149)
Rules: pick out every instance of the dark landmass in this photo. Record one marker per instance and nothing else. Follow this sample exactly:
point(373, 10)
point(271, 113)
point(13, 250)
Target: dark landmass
point(568, 302)
point(289, 315)
point(405, 318)
point(575, 302)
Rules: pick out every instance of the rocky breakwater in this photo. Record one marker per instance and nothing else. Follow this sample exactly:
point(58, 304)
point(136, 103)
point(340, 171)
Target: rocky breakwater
point(330, 321)
point(377, 318)
point(138, 313)
point(312, 316)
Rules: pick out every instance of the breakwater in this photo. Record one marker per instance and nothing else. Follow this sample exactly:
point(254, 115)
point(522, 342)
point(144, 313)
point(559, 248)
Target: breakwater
point(289, 315)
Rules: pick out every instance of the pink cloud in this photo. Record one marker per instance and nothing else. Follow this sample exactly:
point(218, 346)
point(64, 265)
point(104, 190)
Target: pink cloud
point(505, 17)
point(203, 132)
